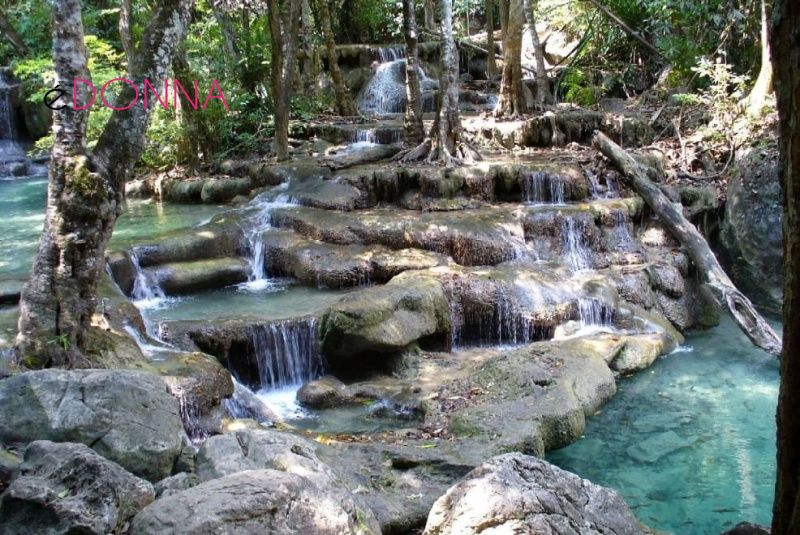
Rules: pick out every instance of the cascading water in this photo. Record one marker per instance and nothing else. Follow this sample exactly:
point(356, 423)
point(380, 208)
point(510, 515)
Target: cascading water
point(609, 190)
point(593, 313)
point(257, 224)
point(577, 254)
point(385, 93)
point(375, 136)
point(13, 160)
point(542, 187)
point(285, 355)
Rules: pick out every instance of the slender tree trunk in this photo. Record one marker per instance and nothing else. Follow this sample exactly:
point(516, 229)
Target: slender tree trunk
point(283, 37)
point(195, 144)
point(448, 119)
point(414, 130)
point(785, 42)
point(491, 67)
point(763, 85)
point(344, 101)
point(512, 97)
point(125, 23)
point(86, 191)
point(430, 20)
point(232, 55)
point(11, 35)
point(543, 94)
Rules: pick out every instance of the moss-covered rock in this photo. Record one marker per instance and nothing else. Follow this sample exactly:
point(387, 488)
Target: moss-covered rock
point(177, 278)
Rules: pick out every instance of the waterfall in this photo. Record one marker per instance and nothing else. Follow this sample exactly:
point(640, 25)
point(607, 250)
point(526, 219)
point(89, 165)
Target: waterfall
point(147, 292)
point(383, 136)
point(542, 187)
point(257, 224)
point(621, 234)
point(577, 254)
point(13, 160)
point(609, 190)
point(385, 93)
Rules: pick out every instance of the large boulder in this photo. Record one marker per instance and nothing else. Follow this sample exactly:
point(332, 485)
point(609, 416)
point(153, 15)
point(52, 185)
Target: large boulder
point(126, 416)
point(68, 488)
point(386, 319)
point(189, 277)
point(515, 493)
point(324, 393)
point(255, 501)
point(751, 230)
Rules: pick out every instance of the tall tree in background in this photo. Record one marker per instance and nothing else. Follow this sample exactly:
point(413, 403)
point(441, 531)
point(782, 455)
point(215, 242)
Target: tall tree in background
point(446, 144)
point(284, 25)
point(763, 85)
point(430, 20)
point(785, 42)
point(491, 67)
point(125, 24)
point(412, 123)
point(512, 97)
point(11, 35)
point(86, 189)
point(344, 102)
point(543, 93)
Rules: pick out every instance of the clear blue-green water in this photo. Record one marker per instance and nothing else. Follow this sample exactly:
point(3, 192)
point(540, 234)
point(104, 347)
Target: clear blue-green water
point(22, 205)
point(689, 443)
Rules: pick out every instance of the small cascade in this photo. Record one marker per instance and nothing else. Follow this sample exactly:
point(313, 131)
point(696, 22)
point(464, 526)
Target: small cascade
point(146, 293)
point(578, 256)
point(503, 324)
point(595, 313)
point(607, 190)
point(386, 54)
point(287, 353)
point(623, 240)
point(258, 278)
point(542, 187)
point(375, 136)
point(244, 403)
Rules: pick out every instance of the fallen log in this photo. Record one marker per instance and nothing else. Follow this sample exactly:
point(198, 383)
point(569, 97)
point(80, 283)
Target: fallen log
point(744, 313)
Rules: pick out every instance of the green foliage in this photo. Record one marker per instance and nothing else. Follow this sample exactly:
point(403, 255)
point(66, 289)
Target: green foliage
point(579, 89)
point(724, 90)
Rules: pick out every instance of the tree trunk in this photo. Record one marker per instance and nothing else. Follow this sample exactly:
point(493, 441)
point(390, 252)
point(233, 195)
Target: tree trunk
point(785, 41)
point(512, 97)
point(448, 118)
point(283, 28)
point(232, 55)
point(491, 67)
point(125, 23)
point(11, 35)
point(430, 20)
point(763, 85)
point(86, 191)
point(543, 94)
point(744, 313)
point(412, 124)
point(344, 101)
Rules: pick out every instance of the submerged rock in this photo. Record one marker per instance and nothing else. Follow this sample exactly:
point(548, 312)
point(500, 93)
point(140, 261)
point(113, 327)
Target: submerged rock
point(68, 488)
point(126, 416)
point(515, 493)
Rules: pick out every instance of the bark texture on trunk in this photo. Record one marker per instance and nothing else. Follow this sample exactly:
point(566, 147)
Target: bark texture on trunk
point(744, 313)
point(85, 191)
point(491, 67)
point(232, 55)
point(413, 118)
point(344, 101)
point(763, 85)
point(543, 94)
point(283, 27)
point(785, 42)
point(512, 97)
point(125, 24)
point(430, 19)
point(11, 35)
